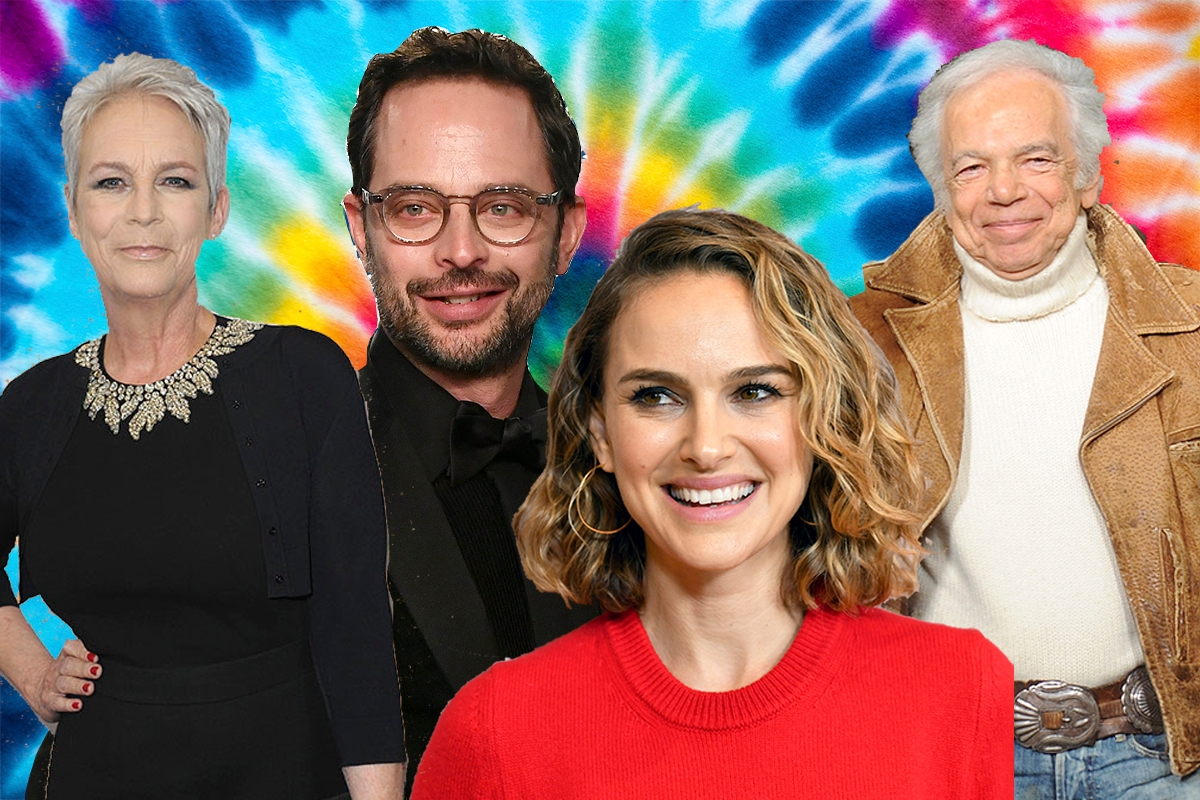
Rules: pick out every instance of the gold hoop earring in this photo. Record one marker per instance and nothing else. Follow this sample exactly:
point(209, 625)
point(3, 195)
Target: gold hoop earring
point(573, 503)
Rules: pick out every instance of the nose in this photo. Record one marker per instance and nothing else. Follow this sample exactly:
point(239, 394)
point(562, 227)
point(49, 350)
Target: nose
point(1005, 185)
point(461, 244)
point(144, 205)
point(709, 440)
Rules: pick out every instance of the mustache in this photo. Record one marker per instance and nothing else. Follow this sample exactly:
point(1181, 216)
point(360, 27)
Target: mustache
point(467, 278)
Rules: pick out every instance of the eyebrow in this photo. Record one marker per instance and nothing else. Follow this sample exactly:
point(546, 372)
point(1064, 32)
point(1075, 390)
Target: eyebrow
point(665, 376)
point(117, 165)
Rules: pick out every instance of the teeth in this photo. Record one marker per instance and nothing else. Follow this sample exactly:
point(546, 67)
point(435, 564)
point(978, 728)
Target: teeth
point(456, 301)
point(705, 497)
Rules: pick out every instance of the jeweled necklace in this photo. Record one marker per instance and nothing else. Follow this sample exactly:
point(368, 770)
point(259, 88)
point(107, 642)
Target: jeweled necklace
point(145, 405)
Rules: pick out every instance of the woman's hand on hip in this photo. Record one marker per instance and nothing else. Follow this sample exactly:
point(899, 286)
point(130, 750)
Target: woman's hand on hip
point(66, 680)
point(51, 686)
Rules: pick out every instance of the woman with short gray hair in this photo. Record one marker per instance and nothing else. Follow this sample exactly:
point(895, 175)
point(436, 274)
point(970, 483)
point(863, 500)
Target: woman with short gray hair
point(196, 496)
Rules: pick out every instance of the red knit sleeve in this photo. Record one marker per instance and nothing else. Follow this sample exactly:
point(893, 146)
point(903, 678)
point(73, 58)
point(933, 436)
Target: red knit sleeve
point(461, 762)
point(993, 762)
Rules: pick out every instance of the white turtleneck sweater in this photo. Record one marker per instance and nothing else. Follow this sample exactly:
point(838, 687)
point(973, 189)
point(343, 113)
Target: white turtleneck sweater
point(1021, 551)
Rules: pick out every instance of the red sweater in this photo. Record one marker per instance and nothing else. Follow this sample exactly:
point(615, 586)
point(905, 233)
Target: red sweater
point(878, 706)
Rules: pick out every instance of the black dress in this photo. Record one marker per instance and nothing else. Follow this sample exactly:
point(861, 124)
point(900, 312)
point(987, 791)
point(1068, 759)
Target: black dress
point(149, 550)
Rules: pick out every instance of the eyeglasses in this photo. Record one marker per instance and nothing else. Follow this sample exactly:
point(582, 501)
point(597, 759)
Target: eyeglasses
point(504, 215)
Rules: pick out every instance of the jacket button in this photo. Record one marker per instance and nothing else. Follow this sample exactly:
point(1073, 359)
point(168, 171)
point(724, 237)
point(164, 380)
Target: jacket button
point(260, 483)
point(237, 403)
point(272, 530)
point(279, 579)
point(249, 441)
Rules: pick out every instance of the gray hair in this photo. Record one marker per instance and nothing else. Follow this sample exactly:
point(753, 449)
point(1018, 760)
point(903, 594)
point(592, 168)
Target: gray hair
point(137, 74)
point(1085, 104)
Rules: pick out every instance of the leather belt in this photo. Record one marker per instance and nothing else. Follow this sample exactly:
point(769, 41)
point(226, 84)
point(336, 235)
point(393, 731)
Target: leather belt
point(1052, 716)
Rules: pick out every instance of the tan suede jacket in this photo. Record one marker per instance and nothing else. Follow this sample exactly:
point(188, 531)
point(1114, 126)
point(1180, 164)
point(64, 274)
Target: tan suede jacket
point(1140, 445)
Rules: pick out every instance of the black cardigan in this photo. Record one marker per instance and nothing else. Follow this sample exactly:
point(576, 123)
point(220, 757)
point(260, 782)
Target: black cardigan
point(300, 426)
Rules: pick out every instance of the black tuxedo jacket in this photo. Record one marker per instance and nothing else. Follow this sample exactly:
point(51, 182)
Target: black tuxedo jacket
point(430, 582)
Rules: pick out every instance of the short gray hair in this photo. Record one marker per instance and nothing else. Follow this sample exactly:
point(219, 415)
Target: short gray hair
point(137, 74)
point(1085, 104)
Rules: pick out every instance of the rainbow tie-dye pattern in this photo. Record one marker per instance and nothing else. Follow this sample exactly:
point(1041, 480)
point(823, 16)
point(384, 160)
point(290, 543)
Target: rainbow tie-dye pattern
point(790, 112)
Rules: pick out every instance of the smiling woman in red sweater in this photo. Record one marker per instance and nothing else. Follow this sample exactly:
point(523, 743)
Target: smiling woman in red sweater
point(729, 476)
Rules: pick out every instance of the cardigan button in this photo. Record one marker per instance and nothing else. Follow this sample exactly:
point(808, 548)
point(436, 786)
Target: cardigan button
point(279, 579)
point(261, 482)
point(272, 530)
point(249, 441)
point(237, 403)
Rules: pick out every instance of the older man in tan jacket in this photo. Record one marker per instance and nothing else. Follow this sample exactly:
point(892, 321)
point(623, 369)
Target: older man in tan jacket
point(1051, 371)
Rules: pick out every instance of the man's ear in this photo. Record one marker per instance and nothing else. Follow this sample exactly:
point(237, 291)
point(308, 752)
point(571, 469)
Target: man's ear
point(1089, 194)
point(573, 224)
point(353, 209)
point(598, 438)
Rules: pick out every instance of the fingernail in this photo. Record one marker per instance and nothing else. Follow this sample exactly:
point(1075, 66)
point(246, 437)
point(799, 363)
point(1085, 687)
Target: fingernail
point(94, 671)
point(92, 657)
point(76, 705)
point(87, 688)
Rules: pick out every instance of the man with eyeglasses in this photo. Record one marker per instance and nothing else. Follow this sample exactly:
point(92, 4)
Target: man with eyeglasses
point(464, 211)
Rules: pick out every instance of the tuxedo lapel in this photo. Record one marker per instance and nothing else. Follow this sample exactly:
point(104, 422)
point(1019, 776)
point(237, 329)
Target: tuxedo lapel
point(425, 566)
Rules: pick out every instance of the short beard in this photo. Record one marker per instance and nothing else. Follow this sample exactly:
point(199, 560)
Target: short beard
point(504, 346)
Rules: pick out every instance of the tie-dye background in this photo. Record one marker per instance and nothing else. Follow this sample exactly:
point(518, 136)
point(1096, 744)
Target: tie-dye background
point(790, 112)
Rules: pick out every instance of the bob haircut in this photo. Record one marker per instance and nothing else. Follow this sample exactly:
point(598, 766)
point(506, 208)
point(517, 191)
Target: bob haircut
point(1085, 105)
point(137, 74)
point(854, 539)
point(433, 53)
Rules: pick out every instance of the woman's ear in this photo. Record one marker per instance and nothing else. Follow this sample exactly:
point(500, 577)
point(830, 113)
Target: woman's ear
point(598, 437)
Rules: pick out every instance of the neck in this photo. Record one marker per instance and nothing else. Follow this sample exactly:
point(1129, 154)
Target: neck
point(497, 392)
point(147, 342)
point(719, 632)
point(1069, 276)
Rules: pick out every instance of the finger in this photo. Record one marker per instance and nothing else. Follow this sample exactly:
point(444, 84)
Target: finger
point(76, 649)
point(77, 668)
point(67, 685)
point(68, 705)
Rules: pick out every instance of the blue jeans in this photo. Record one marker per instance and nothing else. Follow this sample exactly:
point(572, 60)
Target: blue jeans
point(1117, 768)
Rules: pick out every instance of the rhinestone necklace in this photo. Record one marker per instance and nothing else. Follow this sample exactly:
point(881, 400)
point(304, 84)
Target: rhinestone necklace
point(145, 405)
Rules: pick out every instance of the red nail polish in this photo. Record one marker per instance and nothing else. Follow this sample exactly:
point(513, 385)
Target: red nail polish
point(94, 671)
point(92, 657)
point(87, 687)
point(75, 705)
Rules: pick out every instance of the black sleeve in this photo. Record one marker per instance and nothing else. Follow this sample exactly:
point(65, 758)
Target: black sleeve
point(350, 608)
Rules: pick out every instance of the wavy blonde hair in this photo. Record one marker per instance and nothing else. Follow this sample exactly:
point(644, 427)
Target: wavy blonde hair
point(855, 539)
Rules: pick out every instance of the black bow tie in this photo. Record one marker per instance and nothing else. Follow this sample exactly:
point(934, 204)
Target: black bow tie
point(477, 439)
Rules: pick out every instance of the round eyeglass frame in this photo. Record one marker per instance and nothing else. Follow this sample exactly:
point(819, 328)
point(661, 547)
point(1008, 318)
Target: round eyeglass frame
point(379, 200)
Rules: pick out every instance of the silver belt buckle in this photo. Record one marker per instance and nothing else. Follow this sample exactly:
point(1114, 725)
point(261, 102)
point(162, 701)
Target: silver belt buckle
point(1140, 702)
point(1052, 716)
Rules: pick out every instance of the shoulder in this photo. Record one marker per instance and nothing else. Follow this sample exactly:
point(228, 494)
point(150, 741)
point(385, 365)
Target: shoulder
point(536, 682)
point(889, 638)
point(556, 665)
point(32, 385)
point(868, 305)
point(1185, 281)
point(310, 361)
point(512, 716)
point(300, 347)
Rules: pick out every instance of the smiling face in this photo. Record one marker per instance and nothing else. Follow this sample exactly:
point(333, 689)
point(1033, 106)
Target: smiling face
point(141, 207)
point(699, 424)
point(459, 303)
point(1010, 171)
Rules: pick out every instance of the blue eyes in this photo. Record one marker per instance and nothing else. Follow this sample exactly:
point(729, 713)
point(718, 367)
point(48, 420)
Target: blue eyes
point(116, 183)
